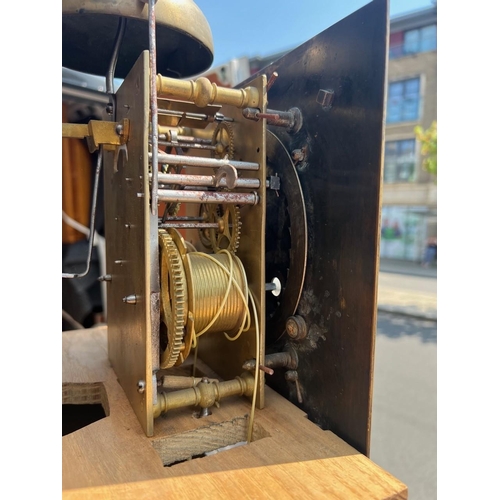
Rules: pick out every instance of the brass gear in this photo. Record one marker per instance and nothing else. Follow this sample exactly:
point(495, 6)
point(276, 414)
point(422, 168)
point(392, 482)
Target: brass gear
point(173, 301)
point(227, 236)
point(172, 208)
point(205, 233)
point(223, 140)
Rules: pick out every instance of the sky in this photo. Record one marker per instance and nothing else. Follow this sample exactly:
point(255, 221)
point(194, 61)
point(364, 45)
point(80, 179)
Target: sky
point(265, 27)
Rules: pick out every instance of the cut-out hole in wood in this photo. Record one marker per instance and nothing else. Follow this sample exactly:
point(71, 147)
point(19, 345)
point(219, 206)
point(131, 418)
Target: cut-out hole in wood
point(204, 441)
point(82, 405)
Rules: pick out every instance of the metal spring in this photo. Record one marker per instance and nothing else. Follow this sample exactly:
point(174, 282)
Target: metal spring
point(207, 288)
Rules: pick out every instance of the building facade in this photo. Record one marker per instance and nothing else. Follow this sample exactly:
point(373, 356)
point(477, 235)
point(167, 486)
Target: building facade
point(409, 203)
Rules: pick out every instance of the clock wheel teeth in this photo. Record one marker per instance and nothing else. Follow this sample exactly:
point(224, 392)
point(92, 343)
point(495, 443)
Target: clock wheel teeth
point(229, 239)
point(173, 299)
point(223, 139)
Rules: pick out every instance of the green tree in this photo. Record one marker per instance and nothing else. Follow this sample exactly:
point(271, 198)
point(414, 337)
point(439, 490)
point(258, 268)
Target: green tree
point(428, 139)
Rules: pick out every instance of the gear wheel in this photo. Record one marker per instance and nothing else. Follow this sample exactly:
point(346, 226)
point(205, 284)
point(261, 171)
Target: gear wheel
point(174, 308)
point(223, 140)
point(205, 233)
point(172, 209)
point(227, 236)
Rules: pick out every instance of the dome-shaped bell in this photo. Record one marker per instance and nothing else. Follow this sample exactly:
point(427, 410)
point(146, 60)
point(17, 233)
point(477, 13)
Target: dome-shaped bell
point(184, 45)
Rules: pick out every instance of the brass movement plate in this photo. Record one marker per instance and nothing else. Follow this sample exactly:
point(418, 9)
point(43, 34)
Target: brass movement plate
point(128, 252)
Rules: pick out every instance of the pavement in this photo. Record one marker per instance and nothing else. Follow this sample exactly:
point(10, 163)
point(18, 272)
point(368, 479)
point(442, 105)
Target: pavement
point(404, 407)
point(408, 289)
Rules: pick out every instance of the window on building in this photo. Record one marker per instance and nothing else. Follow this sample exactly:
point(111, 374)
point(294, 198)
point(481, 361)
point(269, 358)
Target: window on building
point(403, 43)
point(403, 101)
point(399, 164)
point(420, 40)
point(396, 44)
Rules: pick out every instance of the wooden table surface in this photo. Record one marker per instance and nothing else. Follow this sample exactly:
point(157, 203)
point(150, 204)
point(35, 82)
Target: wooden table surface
point(290, 457)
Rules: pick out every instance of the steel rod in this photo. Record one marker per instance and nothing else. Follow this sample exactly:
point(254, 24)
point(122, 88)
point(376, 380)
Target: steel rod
point(291, 119)
point(187, 145)
point(154, 105)
point(217, 117)
point(195, 161)
point(185, 218)
point(110, 75)
point(184, 138)
point(189, 225)
point(204, 181)
point(196, 140)
point(92, 220)
point(182, 114)
point(172, 195)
